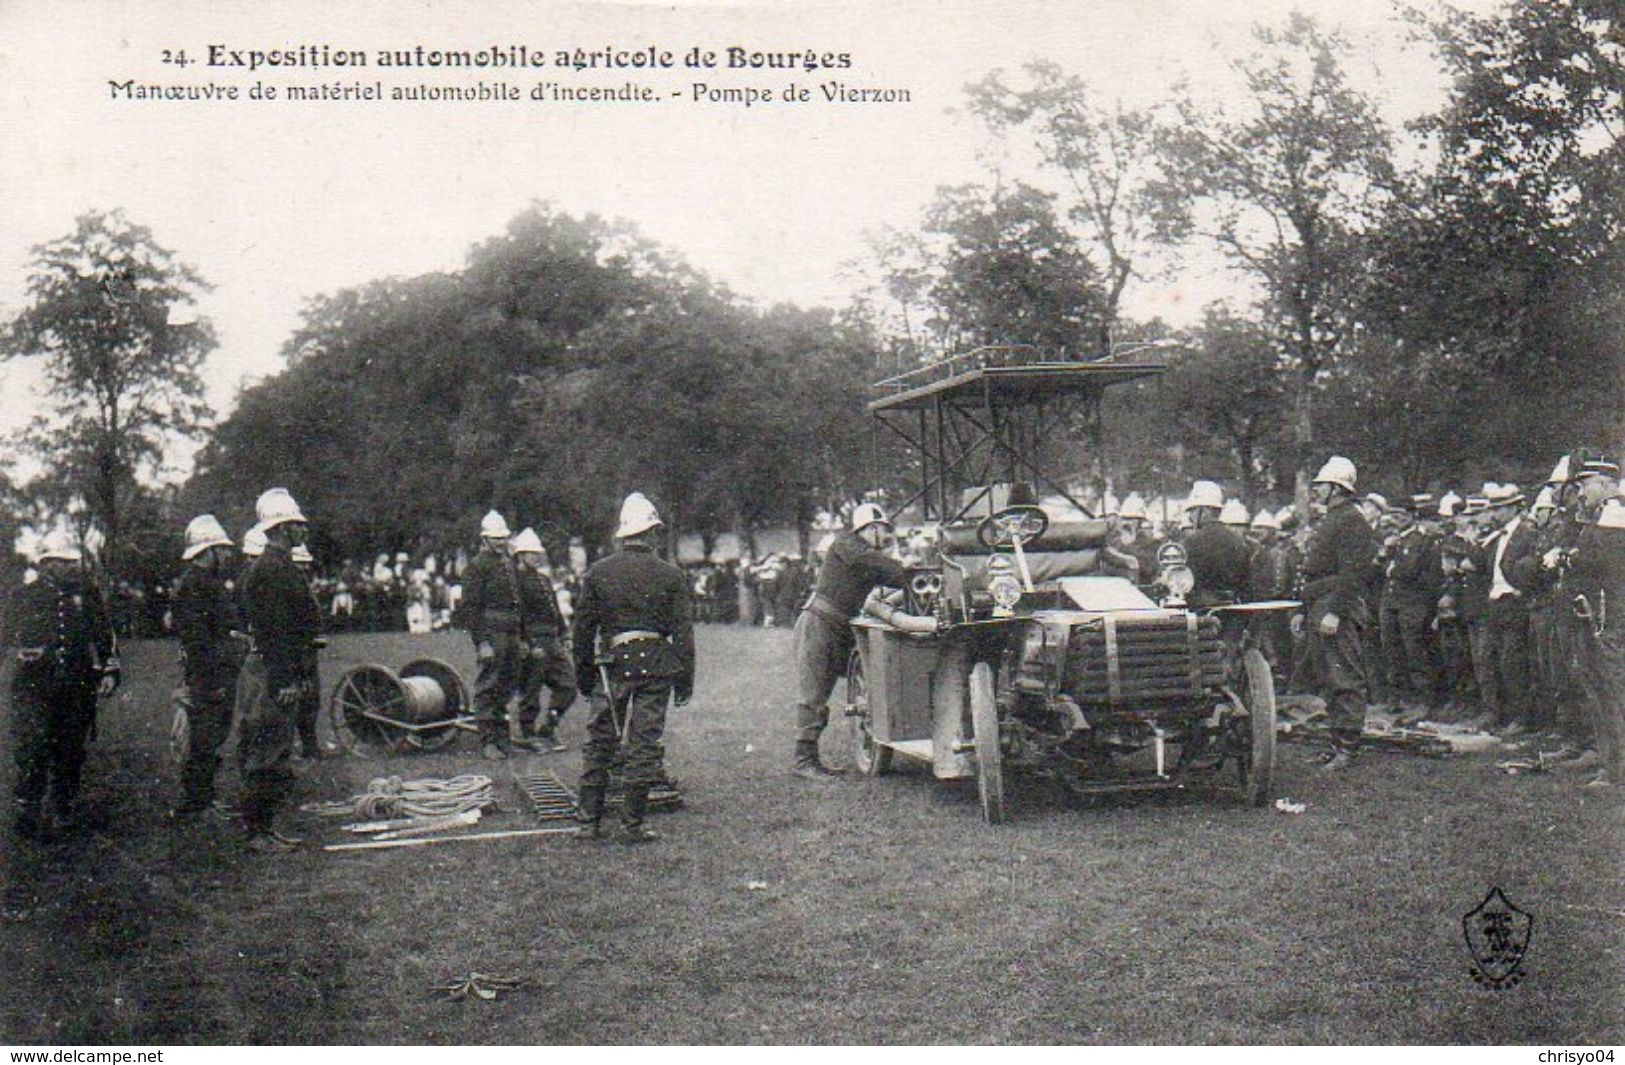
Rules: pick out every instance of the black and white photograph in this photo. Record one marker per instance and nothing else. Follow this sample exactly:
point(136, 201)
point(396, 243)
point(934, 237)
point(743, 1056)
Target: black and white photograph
point(742, 522)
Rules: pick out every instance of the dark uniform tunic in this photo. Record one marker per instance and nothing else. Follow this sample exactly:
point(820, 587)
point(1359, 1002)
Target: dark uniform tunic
point(59, 631)
point(493, 613)
point(205, 614)
point(635, 610)
point(1597, 573)
point(823, 639)
point(1413, 581)
point(548, 663)
point(285, 623)
point(1334, 576)
point(1219, 559)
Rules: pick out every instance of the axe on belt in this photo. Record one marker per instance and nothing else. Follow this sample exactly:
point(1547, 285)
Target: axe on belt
point(622, 728)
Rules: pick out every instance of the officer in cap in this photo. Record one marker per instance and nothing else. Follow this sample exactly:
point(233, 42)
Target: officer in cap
point(205, 612)
point(493, 613)
point(285, 624)
point(633, 642)
point(548, 663)
point(822, 643)
point(1218, 555)
point(66, 656)
point(1335, 578)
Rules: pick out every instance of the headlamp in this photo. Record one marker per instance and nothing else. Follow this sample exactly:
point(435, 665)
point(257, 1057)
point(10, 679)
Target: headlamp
point(1006, 591)
point(1179, 580)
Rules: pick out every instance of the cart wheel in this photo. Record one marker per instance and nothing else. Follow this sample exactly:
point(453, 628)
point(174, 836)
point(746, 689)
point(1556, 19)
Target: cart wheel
point(368, 688)
point(984, 718)
point(180, 728)
point(1259, 767)
point(872, 757)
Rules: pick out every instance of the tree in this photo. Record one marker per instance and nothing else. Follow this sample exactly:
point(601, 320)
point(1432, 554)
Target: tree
point(1226, 392)
point(1107, 161)
point(121, 372)
point(993, 266)
point(1286, 184)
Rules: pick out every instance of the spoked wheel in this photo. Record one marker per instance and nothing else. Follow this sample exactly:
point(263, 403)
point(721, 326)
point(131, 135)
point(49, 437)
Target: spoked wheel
point(180, 727)
point(984, 717)
point(363, 690)
point(1257, 767)
point(872, 757)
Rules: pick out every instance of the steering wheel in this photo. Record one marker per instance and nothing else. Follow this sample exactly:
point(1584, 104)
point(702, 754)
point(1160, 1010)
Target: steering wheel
point(1020, 525)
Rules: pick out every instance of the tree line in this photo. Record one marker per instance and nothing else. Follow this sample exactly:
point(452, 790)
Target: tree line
point(1439, 302)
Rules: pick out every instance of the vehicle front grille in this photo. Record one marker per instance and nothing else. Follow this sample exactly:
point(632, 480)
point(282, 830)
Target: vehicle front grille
point(1127, 659)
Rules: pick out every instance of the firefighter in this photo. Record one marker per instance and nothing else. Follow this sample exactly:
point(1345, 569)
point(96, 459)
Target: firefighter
point(205, 619)
point(1270, 573)
point(493, 614)
point(1217, 554)
point(1413, 582)
point(1334, 579)
point(66, 657)
point(823, 639)
point(1594, 583)
point(310, 704)
point(1134, 524)
point(285, 624)
point(633, 645)
point(548, 662)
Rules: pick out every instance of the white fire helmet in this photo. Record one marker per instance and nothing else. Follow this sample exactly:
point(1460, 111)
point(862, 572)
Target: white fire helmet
point(1339, 471)
point(492, 527)
point(1544, 500)
point(1560, 472)
point(638, 515)
point(1265, 519)
point(202, 533)
point(254, 541)
point(59, 545)
point(1449, 505)
point(276, 507)
point(1110, 506)
point(1612, 515)
point(526, 543)
point(1134, 507)
point(1234, 513)
point(1205, 494)
point(868, 514)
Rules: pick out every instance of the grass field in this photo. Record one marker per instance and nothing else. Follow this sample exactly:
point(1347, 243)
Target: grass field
point(891, 912)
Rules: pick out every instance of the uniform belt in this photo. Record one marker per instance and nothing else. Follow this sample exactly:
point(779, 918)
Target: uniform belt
point(825, 608)
point(621, 639)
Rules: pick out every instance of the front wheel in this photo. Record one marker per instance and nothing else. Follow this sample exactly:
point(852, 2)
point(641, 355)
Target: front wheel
point(984, 716)
point(1259, 696)
point(872, 757)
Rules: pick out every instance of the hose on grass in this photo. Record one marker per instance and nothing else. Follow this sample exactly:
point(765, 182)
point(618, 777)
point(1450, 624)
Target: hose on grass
point(392, 797)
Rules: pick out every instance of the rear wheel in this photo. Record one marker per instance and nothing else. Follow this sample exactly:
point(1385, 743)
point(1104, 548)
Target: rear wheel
point(872, 757)
point(1258, 693)
point(984, 716)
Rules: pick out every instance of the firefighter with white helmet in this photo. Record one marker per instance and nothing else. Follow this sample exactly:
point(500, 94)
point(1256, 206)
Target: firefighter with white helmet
point(633, 642)
point(206, 616)
point(493, 614)
point(855, 566)
point(1594, 586)
point(1218, 555)
point(57, 630)
point(286, 624)
point(1234, 514)
point(1334, 577)
point(548, 664)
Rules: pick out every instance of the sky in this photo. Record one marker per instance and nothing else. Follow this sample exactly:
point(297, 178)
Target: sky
point(275, 202)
